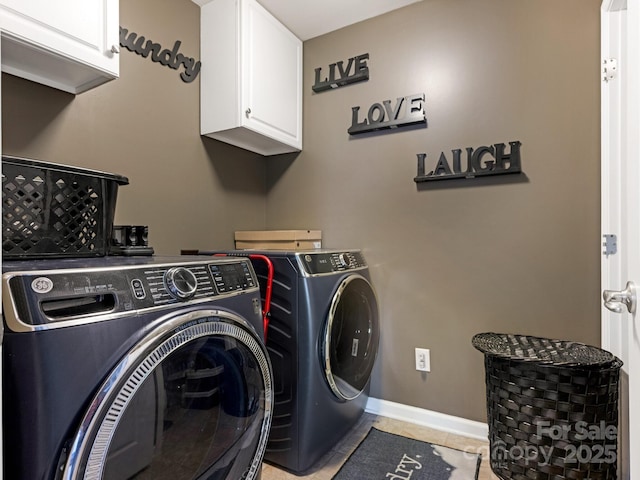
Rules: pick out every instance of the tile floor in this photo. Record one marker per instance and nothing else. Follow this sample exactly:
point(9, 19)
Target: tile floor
point(328, 465)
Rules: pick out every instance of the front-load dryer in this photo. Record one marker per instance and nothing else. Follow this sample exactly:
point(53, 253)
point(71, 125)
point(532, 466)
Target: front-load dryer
point(134, 368)
point(322, 340)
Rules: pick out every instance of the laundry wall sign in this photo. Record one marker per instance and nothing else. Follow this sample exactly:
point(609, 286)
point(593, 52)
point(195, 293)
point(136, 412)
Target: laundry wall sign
point(479, 162)
point(406, 111)
point(169, 58)
point(356, 70)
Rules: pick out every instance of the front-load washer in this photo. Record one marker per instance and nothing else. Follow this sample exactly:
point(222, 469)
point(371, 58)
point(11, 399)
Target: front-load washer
point(322, 341)
point(134, 368)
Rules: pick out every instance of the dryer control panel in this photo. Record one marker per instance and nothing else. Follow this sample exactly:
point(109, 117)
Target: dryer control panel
point(319, 263)
point(38, 299)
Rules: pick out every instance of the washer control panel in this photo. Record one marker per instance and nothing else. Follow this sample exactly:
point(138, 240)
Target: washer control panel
point(229, 277)
point(318, 263)
point(73, 293)
point(171, 284)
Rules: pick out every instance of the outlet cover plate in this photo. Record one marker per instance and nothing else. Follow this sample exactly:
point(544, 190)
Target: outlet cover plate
point(423, 360)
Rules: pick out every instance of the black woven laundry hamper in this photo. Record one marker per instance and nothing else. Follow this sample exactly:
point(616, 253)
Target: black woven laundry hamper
point(552, 408)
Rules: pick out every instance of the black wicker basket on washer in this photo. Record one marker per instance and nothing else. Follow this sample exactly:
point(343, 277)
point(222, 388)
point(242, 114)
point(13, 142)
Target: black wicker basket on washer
point(552, 408)
point(51, 210)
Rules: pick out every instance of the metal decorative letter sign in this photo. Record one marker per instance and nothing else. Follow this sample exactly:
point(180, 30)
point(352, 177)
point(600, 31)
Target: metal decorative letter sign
point(477, 163)
point(407, 111)
point(169, 58)
point(357, 65)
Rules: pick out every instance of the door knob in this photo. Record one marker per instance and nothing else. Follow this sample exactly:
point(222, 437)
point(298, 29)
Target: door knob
point(614, 299)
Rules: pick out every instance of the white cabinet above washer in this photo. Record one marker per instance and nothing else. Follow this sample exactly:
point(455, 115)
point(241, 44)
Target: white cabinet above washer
point(251, 78)
point(71, 45)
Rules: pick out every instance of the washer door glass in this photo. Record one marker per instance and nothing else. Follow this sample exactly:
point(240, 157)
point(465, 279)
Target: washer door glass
point(197, 405)
point(351, 337)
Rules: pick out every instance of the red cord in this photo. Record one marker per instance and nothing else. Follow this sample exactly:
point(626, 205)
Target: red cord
point(266, 309)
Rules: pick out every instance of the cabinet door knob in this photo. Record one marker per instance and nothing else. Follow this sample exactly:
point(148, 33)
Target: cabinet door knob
point(248, 112)
point(115, 49)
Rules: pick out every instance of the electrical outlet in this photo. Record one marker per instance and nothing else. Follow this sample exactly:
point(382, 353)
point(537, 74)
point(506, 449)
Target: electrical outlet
point(423, 360)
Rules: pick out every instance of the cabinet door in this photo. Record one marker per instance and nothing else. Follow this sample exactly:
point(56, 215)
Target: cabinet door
point(66, 44)
point(272, 76)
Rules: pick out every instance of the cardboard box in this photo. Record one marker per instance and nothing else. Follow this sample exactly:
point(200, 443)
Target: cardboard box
point(278, 239)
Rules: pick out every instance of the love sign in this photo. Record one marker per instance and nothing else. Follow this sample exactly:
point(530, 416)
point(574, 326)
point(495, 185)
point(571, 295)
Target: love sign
point(406, 111)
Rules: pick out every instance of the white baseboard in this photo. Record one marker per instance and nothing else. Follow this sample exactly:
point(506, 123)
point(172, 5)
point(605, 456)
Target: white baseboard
point(428, 418)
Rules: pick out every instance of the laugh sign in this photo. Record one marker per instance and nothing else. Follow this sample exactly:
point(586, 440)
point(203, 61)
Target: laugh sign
point(481, 161)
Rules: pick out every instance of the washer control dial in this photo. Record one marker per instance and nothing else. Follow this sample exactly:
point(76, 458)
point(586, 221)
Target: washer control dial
point(181, 283)
point(344, 260)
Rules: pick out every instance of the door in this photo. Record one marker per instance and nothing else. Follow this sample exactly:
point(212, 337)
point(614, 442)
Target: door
point(192, 400)
point(620, 110)
point(351, 337)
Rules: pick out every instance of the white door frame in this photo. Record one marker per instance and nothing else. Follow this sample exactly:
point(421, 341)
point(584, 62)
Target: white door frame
point(620, 97)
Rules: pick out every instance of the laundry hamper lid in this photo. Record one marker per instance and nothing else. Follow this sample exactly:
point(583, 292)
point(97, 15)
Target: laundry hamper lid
point(544, 351)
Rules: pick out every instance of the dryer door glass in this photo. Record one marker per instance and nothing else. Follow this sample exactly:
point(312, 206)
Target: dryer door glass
point(351, 337)
point(197, 406)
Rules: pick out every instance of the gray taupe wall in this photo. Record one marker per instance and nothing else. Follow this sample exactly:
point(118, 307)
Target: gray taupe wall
point(448, 260)
point(459, 257)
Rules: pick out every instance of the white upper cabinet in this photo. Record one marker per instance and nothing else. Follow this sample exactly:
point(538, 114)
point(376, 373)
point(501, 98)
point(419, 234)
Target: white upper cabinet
point(251, 78)
point(70, 45)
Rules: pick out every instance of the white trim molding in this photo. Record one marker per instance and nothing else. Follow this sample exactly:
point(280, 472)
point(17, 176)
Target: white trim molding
point(428, 418)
